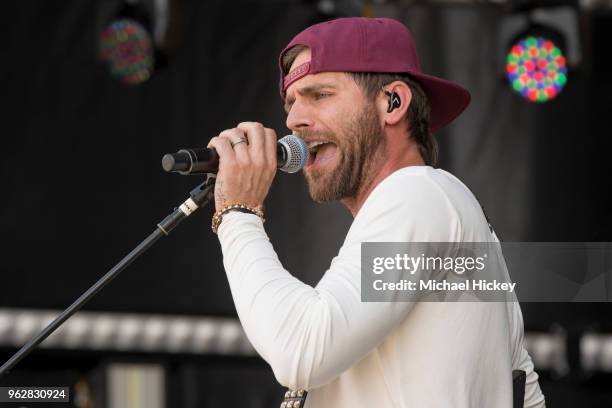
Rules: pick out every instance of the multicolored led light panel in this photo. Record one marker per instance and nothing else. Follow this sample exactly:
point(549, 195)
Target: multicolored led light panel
point(126, 45)
point(536, 69)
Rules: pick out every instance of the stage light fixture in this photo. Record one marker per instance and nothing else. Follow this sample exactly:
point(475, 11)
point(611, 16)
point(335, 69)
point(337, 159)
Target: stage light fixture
point(536, 67)
point(136, 36)
point(127, 47)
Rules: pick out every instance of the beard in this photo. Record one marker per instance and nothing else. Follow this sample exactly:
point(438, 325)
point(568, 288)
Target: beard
point(358, 145)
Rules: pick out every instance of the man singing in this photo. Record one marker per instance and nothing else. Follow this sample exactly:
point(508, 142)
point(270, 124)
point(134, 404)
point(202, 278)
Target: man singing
point(354, 91)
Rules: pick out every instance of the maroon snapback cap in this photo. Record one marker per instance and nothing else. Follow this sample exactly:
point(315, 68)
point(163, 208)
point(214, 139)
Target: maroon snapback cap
point(383, 45)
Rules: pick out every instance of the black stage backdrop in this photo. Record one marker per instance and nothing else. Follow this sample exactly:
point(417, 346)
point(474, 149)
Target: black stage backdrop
point(81, 176)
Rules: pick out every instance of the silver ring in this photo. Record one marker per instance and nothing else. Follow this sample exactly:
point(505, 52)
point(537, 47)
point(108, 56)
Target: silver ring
point(241, 140)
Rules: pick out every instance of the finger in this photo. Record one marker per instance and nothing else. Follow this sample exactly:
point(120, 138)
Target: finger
point(241, 150)
point(271, 143)
point(255, 133)
point(224, 150)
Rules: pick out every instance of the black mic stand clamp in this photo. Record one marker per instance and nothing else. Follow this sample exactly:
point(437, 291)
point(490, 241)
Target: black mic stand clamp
point(198, 197)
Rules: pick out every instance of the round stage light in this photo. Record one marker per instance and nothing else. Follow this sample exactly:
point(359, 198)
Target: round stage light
point(127, 47)
point(536, 69)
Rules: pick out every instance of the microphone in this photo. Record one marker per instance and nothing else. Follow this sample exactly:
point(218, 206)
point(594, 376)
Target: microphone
point(291, 156)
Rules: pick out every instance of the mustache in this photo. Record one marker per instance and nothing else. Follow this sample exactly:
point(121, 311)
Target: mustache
point(309, 133)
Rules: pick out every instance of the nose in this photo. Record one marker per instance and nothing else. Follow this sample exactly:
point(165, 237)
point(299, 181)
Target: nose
point(300, 116)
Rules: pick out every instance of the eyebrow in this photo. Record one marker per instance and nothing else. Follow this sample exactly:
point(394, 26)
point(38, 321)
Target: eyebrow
point(307, 90)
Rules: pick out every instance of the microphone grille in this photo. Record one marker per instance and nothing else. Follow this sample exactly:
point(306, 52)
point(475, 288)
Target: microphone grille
point(297, 153)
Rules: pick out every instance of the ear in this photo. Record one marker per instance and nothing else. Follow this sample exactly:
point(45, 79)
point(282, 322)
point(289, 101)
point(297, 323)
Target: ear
point(398, 114)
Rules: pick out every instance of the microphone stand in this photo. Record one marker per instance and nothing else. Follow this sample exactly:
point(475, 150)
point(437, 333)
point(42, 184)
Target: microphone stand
point(198, 197)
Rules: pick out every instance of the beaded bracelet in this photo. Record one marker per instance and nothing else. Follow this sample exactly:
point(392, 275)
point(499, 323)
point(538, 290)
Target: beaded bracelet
point(218, 216)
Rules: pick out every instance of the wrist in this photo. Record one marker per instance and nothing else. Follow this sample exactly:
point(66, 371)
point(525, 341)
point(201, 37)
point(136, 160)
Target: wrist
point(237, 207)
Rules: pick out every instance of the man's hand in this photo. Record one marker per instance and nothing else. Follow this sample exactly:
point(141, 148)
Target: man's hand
point(246, 169)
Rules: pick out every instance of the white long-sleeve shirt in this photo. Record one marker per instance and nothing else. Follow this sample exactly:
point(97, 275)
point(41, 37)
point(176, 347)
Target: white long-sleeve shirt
point(350, 353)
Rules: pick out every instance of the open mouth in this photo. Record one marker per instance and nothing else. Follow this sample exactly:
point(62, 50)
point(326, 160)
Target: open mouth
point(320, 152)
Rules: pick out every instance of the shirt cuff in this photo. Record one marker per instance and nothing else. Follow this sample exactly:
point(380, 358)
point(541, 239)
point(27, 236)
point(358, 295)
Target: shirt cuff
point(234, 220)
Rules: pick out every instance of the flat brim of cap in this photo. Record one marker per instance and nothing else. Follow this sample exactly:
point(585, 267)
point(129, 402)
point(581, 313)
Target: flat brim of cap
point(446, 99)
